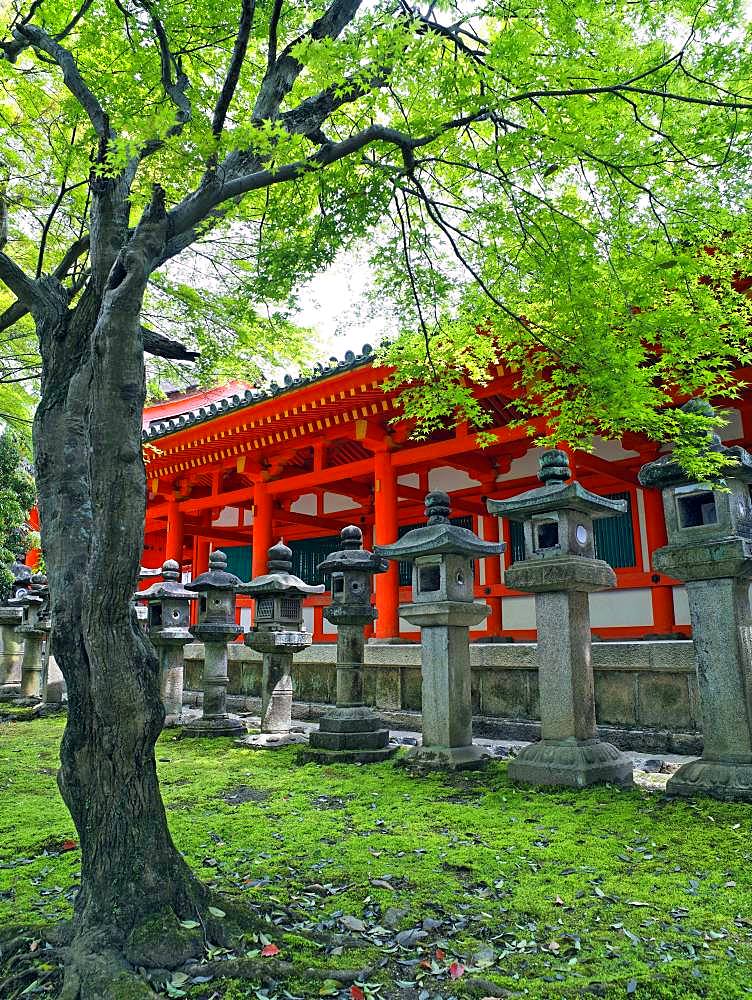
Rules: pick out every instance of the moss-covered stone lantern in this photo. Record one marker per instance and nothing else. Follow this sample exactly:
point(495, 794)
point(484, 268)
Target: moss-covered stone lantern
point(710, 548)
point(216, 627)
point(168, 611)
point(351, 731)
point(34, 600)
point(277, 634)
point(443, 556)
point(561, 569)
point(11, 641)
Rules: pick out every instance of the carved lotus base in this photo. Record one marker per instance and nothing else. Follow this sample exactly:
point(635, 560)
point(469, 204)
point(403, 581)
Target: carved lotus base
point(728, 780)
point(437, 758)
point(571, 764)
point(227, 725)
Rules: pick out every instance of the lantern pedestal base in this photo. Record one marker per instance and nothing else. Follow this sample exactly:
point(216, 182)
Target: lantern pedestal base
point(351, 735)
point(271, 741)
point(728, 780)
point(571, 764)
point(10, 691)
point(229, 725)
point(437, 758)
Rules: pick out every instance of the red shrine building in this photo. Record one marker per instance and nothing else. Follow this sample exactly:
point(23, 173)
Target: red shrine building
point(238, 468)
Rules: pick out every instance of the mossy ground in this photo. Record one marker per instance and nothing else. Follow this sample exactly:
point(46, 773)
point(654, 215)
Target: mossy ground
point(545, 894)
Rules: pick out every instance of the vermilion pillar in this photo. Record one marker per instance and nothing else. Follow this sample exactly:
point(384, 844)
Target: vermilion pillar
point(661, 594)
point(262, 528)
point(174, 545)
point(385, 532)
point(493, 576)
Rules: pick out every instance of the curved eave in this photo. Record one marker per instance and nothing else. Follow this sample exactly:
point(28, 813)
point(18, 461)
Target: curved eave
point(252, 397)
point(448, 539)
point(548, 499)
point(279, 583)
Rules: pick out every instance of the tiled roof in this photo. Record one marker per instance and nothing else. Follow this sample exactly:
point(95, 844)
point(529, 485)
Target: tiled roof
point(163, 425)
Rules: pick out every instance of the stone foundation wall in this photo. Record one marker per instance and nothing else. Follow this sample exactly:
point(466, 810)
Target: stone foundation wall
point(646, 692)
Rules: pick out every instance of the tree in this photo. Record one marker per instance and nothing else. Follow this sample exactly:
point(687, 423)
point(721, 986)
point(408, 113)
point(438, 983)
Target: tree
point(548, 174)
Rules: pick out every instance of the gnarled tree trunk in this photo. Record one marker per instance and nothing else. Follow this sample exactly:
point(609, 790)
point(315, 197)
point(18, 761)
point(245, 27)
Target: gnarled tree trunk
point(135, 886)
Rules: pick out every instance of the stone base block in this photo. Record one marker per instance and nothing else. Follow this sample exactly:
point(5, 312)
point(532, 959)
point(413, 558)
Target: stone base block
point(271, 741)
point(360, 719)
point(374, 740)
point(436, 758)
point(228, 725)
point(571, 764)
point(355, 756)
point(728, 780)
point(9, 691)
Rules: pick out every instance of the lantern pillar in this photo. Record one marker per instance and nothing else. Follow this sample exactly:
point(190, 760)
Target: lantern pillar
point(385, 532)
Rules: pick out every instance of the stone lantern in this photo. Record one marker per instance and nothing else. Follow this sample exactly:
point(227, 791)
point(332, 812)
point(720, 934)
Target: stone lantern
point(444, 607)
point(11, 641)
point(277, 634)
point(561, 569)
point(350, 732)
point(33, 598)
point(710, 548)
point(167, 620)
point(216, 627)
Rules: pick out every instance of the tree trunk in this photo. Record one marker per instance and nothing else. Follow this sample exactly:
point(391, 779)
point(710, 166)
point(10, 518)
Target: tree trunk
point(135, 886)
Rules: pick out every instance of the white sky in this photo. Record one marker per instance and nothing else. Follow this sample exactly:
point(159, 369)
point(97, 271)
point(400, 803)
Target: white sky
point(336, 306)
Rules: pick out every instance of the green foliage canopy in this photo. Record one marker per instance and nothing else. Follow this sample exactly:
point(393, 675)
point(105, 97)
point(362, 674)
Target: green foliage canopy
point(547, 174)
point(17, 497)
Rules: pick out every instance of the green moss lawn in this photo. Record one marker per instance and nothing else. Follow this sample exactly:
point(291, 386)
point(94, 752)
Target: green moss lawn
point(442, 886)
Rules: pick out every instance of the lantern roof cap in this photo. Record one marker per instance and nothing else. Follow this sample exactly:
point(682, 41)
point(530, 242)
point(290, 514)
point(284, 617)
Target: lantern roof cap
point(280, 579)
point(169, 587)
point(36, 593)
point(352, 556)
point(216, 577)
point(556, 494)
point(439, 536)
point(666, 471)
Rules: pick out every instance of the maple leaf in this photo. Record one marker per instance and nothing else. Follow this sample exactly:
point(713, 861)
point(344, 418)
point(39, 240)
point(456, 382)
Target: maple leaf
point(357, 993)
point(456, 970)
point(268, 950)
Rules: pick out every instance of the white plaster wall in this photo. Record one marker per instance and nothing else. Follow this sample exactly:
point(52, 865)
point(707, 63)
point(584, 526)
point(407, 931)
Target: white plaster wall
point(621, 608)
point(518, 612)
point(733, 428)
point(329, 629)
point(642, 520)
point(335, 501)
point(305, 504)
point(308, 619)
point(525, 465)
point(411, 479)
point(448, 479)
point(247, 517)
point(245, 618)
point(681, 606)
point(611, 451)
point(405, 626)
point(228, 518)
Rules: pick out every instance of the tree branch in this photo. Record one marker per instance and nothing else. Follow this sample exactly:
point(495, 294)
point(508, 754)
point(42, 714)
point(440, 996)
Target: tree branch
point(26, 291)
point(247, 13)
point(283, 71)
point(164, 347)
point(73, 80)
